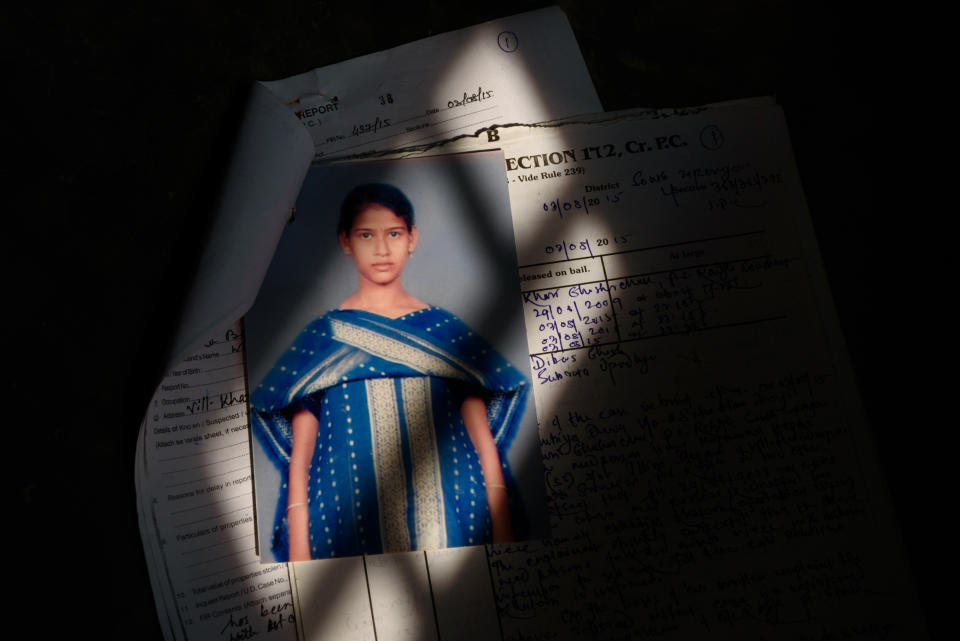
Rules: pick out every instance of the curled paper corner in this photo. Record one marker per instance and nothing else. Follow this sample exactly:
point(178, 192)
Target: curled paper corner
point(270, 159)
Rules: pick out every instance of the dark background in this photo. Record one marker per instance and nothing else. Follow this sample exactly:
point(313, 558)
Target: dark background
point(118, 123)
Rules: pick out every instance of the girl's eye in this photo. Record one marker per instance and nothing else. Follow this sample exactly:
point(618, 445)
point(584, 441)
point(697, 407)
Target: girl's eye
point(394, 234)
point(365, 234)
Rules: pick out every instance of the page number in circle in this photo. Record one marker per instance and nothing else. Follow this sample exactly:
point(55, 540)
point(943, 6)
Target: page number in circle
point(507, 41)
point(711, 137)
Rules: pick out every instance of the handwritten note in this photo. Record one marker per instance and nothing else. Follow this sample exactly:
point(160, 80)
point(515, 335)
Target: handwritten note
point(523, 68)
point(699, 430)
point(197, 478)
point(706, 465)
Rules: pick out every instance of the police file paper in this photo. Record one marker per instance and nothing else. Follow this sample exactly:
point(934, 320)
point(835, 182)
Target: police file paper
point(193, 468)
point(708, 470)
point(525, 68)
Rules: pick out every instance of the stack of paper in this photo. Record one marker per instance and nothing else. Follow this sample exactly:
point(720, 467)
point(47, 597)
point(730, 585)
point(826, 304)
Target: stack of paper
point(691, 460)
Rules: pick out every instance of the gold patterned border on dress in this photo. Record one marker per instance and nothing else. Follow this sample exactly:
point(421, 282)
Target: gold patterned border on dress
point(393, 350)
point(427, 345)
point(323, 365)
point(388, 464)
point(429, 522)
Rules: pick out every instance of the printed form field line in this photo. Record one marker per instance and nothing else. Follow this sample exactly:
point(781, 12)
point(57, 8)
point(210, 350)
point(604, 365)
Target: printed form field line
point(204, 478)
point(685, 332)
point(215, 369)
point(607, 279)
point(444, 132)
point(224, 380)
point(204, 453)
point(214, 516)
point(230, 569)
point(439, 110)
point(650, 248)
point(211, 504)
point(218, 544)
point(217, 462)
point(219, 558)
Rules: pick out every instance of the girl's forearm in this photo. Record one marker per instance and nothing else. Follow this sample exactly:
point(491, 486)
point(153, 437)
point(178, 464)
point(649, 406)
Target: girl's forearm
point(298, 515)
point(474, 412)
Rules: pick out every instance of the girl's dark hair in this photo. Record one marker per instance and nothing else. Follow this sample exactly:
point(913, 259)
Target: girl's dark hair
point(374, 194)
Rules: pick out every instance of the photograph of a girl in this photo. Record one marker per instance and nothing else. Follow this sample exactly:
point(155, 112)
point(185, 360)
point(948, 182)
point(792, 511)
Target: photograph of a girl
point(388, 418)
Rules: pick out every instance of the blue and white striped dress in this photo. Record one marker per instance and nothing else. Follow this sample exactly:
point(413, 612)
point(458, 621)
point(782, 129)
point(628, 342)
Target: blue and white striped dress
point(393, 468)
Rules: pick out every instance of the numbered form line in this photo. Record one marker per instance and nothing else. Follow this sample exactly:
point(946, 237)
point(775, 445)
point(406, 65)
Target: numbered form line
point(207, 478)
point(193, 406)
point(217, 462)
point(219, 558)
point(217, 544)
point(605, 279)
point(205, 452)
point(591, 253)
point(214, 369)
point(219, 515)
point(662, 335)
point(210, 504)
point(230, 569)
point(224, 380)
point(221, 364)
point(415, 140)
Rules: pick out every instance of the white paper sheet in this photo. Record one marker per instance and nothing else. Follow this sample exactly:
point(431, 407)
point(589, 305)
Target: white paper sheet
point(707, 464)
point(193, 476)
point(524, 68)
point(708, 468)
point(196, 504)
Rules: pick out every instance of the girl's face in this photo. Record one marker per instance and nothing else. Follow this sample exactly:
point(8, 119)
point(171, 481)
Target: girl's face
point(379, 243)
